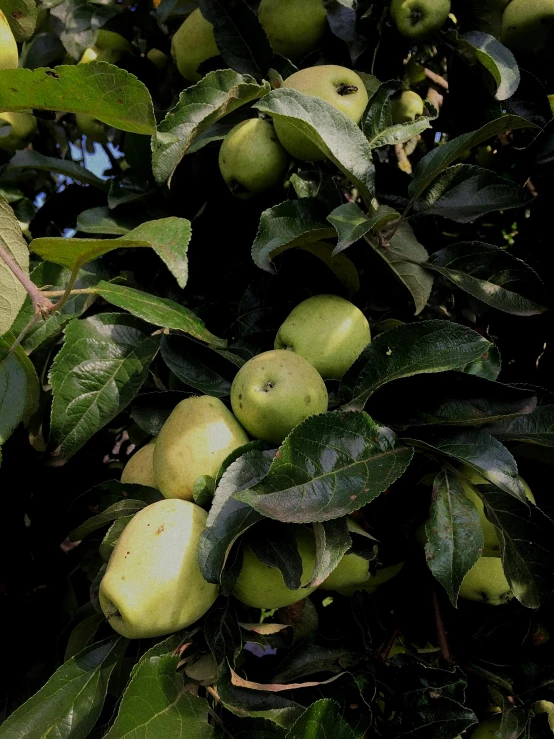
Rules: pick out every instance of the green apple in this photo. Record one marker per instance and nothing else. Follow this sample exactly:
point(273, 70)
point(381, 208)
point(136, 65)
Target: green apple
point(274, 392)
point(140, 468)
point(153, 584)
point(528, 28)
point(339, 86)
point(293, 27)
point(418, 20)
point(407, 107)
point(9, 56)
point(486, 582)
point(261, 586)
point(111, 40)
point(192, 44)
point(23, 128)
point(352, 570)
point(158, 58)
point(91, 127)
point(328, 331)
point(94, 54)
point(251, 159)
point(488, 729)
point(198, 435)
point(370, 586)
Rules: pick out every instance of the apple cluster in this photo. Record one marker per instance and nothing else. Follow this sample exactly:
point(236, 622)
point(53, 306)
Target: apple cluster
point(153, 584)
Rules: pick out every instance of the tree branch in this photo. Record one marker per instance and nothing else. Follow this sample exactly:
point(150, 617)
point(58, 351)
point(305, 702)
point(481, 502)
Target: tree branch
point(42, 306)
point(441, 632)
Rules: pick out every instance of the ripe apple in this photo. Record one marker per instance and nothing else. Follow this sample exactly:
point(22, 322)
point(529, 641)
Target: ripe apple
point(407, 107)
point(528, 28)
point(274, 392)
point(328, 331)
point(198, 435)
point(352, 570)
point(371, 585)
point(9, 56)
point(23, 128)
point(261, 586)
point(293, 27)
point(158, 58)
point(488, 729)
point(108, 47)
point(339, 86)
point(192, 44)
point(91, 127)
point(140, 468)
point(153, 584)
point(418, 20)
point(486, 582)
point(251, 159)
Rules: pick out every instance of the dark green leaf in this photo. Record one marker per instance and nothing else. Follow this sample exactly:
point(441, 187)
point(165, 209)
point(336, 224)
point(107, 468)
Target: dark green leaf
point(109, 93)
point(332, 541)
point(28, 159)
point(22, 17)
point(276, 547)
point(439, 158)
point(151, 410)
point(83, 634)
point(114, 532)
point(465, 192)
point(454, 534)
point(329, 129)
point(99, 370)
point(222, 633)
point(103, 220)
point(492, 275)
point(328, 466)
point(156, 703)
point(286, 225)
point(535, 428)
point(124, 508)
point(488, 366)
point(351, 223)
point(19, 387)
point(479, 48)
point(12, 292)
point(158, 311)
point(176, 353)
point(429, 346)
point(216, 95)
point(322, 720)
point(378, 114)
point(71, 701)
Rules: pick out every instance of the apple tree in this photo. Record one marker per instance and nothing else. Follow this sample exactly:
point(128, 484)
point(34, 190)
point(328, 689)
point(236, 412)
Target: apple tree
point(175, 179)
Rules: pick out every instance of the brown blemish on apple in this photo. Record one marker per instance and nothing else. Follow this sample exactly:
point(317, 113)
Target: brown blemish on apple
point(161, 529)
point(344, 89)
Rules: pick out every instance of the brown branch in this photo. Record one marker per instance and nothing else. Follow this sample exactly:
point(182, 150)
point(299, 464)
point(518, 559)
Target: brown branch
point(441, 632)
point(41, 305)
point(386, 651)
point(403, 162)
point(436, 79)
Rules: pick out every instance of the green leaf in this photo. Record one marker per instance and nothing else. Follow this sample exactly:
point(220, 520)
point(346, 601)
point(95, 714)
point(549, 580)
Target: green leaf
point(351, 223)
point(112, 535)
point(478, 48)
point(22, 17)
point(216, 95)
point(228, 519)
point(535, 428)
point(27, 159)
point(189, 369)
point(99, 370)
point(332, 541)
point(407, 258)
point(19, 387)
point(155, 703)
point(123, 508)
point(401, 132)
point(340, 265)
point(307, 483)
point(75, 253)
point(438, 159)
point(70, 703)
point(492, 275)
point(322, 720)
point(415, 348)
point(378, 114)
point(289, 224)
point(339, 138)
point(454, 534)
point(158, 311)
point(465, 192)
point(488, 366)
point(109, 93)
point(82, 634)
point(103, 220)
point(276, 547)
point(12, 292)
point(222, 634)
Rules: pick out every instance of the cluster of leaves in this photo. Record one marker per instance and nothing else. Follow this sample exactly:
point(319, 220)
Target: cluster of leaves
point(137, 328)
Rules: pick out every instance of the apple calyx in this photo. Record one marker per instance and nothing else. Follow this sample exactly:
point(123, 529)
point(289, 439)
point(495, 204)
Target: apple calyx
point(415, 17)
point(344, 89)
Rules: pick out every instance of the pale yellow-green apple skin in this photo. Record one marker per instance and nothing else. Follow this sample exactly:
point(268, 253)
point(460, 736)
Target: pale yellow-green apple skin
point(486, 582)
point(95, 54)
point(158, 58)
point(261, 586)
point(91, 127)
point(198, 435)
point(418, 20)
point(294, 27)
point(9, 56)
point(24, 126)
point(373, 582)
point(407, 107)
point(192, 44)
point(274, 392)
point(112, 40)
point(488, 729)
point(139, 470)
point(352, 570)
point(153, 584)
point(251, 158)
point(339, 86)
point(327, 330)
point(528, 28)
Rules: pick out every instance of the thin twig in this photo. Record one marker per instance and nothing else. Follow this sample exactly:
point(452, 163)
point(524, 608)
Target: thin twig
point(68, 288)
point(436, 79)
point(386, 651)
point(77, 291)
point(441, 632)
point(40, 302)
point(24, 332)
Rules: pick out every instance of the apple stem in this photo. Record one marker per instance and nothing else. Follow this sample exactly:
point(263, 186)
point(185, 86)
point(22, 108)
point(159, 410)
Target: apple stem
point(42, 306)
point(344, 89)
point(386, 651)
